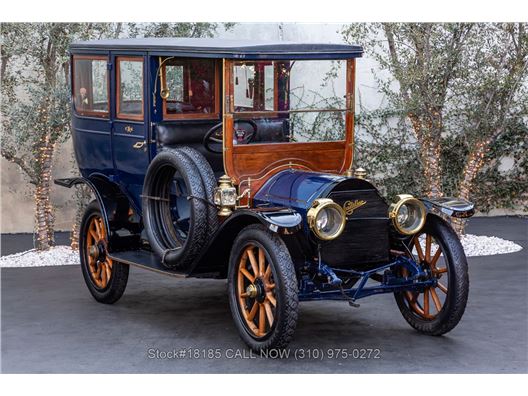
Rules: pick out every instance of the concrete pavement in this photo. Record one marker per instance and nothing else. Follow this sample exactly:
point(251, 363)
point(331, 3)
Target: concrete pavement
point(50, 324)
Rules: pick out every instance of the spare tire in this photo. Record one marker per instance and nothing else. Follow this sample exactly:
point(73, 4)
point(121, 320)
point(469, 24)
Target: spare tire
point(174, 209)
point(209, 184)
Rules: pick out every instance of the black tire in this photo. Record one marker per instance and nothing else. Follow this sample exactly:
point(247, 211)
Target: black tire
point(455, 297)
point(116, 285)
point(279, 331)
point(177, 245)
point(209, 184)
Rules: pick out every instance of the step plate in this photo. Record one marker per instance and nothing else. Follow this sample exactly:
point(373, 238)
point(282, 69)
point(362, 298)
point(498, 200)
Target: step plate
point(146, 260)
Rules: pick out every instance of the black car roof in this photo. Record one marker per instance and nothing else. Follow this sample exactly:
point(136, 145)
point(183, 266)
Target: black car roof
point(222, 48)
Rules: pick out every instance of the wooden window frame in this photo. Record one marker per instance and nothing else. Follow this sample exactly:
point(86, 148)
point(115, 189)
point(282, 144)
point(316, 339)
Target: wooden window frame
point(252, 161)
point(88, 113)
point(196, 116)
point(119, 114)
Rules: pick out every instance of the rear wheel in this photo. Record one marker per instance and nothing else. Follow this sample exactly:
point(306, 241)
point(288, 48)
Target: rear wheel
point(263, 292)
point(439, 308)
point(106, 279)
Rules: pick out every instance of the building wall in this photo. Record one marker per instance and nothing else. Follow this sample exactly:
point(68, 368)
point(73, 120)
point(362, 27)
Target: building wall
point(17, 207)
point(16, 198)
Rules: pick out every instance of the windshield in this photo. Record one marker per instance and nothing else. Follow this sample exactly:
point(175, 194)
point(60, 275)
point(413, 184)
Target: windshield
point(288, 101)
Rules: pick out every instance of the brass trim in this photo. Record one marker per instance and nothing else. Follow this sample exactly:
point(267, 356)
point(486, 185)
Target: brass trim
point(139, 145)
point(317, 206)
point(360, 173)
point(395, 207)
point(225, 183)
point(350, 206)
point(251, 291)
point(161, 62)
point(93, 252)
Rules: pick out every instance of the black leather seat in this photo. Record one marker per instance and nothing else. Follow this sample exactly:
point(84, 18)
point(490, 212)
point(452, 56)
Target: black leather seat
point(189, 134)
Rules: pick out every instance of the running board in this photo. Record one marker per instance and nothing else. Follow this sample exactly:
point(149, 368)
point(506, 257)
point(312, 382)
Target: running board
point(147, 260)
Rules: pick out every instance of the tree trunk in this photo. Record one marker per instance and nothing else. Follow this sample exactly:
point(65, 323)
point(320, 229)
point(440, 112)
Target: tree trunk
point(473, 165)
point(44, 210)
point(429, 153)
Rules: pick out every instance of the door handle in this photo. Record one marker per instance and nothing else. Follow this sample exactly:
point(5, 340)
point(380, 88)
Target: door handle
point(139, 145)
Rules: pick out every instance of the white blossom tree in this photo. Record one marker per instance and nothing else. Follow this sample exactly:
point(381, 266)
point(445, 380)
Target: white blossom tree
point(460, 88)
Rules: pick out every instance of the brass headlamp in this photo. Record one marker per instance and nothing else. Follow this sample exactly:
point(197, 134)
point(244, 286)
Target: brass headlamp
point(326, 219)
point(407, 214)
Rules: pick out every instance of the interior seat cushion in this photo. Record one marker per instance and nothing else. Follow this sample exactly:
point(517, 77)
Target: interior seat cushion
point(189, 134)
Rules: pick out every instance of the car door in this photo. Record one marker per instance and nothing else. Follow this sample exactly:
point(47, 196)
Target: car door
point(91, 113)
point(130, 120)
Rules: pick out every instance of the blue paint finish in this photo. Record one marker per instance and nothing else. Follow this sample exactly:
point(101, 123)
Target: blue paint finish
point(130, 164)
point(92, 142)
point(222, 48)
point(295, 189)
point(417, 280)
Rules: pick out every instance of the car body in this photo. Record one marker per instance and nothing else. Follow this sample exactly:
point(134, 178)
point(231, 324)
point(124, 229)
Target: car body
point(195, 148)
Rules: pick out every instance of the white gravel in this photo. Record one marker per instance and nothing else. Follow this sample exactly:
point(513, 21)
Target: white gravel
point(474, 245)
point(58, 255)
point(480, 245)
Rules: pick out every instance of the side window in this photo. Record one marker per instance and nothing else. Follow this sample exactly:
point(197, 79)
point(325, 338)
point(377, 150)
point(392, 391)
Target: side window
point(174, 83)
point(190, 86)
point(254, 86)
point(90, 85)
point(130, 88)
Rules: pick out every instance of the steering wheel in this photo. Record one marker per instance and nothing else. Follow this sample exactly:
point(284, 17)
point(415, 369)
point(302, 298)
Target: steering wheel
point(213, 135)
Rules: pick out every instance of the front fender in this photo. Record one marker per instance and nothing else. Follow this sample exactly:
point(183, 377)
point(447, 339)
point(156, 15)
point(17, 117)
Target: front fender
point(215, 256)
point(450, 206)
point(281, 220)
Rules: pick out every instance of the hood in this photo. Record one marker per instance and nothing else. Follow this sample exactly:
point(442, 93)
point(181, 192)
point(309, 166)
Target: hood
point(295, 189)
point(298, 189)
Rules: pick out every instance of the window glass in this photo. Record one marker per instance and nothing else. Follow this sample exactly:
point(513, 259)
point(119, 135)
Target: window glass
point(254, 87)
point(191, 87)
point(130, 83)
point(289, 101)
point(90, 86)
point(174, 79)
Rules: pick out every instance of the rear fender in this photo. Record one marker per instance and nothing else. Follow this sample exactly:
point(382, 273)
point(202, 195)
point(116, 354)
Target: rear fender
point(114, 206)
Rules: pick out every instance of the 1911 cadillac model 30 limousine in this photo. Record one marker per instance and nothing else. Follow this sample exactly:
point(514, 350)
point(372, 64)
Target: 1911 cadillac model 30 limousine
point(228, 159)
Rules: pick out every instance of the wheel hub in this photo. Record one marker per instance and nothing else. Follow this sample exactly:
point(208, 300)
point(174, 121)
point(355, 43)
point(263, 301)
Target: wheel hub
point(257, 290)
point(252, 291)
point(97, 251)
point(93, 251)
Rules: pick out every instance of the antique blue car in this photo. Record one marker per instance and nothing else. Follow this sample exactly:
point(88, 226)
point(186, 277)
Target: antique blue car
point(234, 160)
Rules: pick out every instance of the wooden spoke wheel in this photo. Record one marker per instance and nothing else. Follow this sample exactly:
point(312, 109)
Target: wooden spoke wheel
point(256, 290)
point(430, 302)
point(99, 264)
point(105, 278)
point(262, 286)
point(437, 309)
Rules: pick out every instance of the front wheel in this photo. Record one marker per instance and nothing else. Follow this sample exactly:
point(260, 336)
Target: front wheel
point(262, 287)
point(438, 309)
